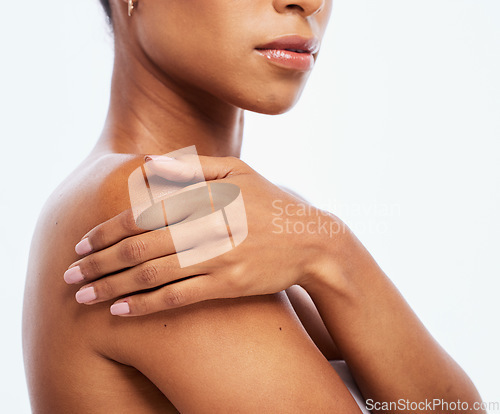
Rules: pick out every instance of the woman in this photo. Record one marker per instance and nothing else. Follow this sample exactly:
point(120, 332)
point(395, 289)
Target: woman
point(184, 73)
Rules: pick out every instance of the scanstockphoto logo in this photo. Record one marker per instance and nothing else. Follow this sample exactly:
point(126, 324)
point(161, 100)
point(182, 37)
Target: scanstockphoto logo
point(205, 219)
point(439, 405)
point(302, 218)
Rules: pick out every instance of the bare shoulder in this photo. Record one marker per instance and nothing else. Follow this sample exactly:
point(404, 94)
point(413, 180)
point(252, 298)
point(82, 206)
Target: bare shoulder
point(64, 371)
point(244, 355)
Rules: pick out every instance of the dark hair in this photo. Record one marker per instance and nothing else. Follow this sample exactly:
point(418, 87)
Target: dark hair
point(107, 9)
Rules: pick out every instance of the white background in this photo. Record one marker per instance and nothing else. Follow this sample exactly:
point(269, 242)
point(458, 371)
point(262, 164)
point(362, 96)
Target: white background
point(397, 133)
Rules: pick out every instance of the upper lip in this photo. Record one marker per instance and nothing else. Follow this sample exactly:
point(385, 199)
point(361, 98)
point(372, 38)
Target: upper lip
point(294, 43)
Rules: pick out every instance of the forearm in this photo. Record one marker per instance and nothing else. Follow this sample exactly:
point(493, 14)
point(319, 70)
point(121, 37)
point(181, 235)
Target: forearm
point(391, 354)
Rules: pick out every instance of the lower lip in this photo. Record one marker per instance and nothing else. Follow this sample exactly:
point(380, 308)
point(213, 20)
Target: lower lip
point(289, 60)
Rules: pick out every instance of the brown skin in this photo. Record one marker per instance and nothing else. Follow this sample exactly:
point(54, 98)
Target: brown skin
point(245, 355)
point(181, 78)
point(250, 354)
point(363, 311)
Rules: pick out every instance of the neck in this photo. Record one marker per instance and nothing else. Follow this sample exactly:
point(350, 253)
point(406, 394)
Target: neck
point(150, 113)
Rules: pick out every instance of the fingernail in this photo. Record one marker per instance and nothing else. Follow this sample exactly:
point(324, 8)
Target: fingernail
point(161, 158)
point(83, 247)
point(85, 295)
point(121, 308)
point(73, 275)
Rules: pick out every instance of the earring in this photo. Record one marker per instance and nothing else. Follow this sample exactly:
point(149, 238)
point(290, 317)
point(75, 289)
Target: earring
point(130, 7)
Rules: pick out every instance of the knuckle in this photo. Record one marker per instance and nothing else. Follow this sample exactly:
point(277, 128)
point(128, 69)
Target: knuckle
point(147, 276)
point(104, 289)
point(133, 251)
point(167, 266)
point(127, 221)
point(139, 305)
point(97, 238)
point(174, 297)
point(90, 267)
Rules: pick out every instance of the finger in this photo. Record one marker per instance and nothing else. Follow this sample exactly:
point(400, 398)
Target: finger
point(147, 275)
point(126, 253)
point(108, 233)
point(183, 169)
point(175, 295)
point(195, 168)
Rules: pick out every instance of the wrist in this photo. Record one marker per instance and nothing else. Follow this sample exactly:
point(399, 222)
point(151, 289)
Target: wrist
point(330, 258)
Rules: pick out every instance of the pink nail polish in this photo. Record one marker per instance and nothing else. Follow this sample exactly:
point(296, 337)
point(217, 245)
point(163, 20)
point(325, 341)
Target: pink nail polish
point(85, 295)
point(121, 308)
point(160, 158)
point(73, 275)
point(83, 247)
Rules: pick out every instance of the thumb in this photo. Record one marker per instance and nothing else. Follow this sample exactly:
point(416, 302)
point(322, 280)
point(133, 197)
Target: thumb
point(194, 168)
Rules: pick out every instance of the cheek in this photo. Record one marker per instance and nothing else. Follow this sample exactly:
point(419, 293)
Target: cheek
point(217, 56)
point(187, 45)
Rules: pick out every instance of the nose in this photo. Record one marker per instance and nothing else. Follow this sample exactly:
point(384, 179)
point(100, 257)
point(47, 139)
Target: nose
point(305, 8)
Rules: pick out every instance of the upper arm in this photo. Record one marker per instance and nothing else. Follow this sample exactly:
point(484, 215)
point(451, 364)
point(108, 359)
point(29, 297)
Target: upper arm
point(310, 318)
point(234, 355)
point(246, 354)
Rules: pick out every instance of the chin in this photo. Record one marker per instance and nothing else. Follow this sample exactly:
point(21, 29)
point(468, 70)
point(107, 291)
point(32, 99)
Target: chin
point(272, 109)
point(270, 103)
